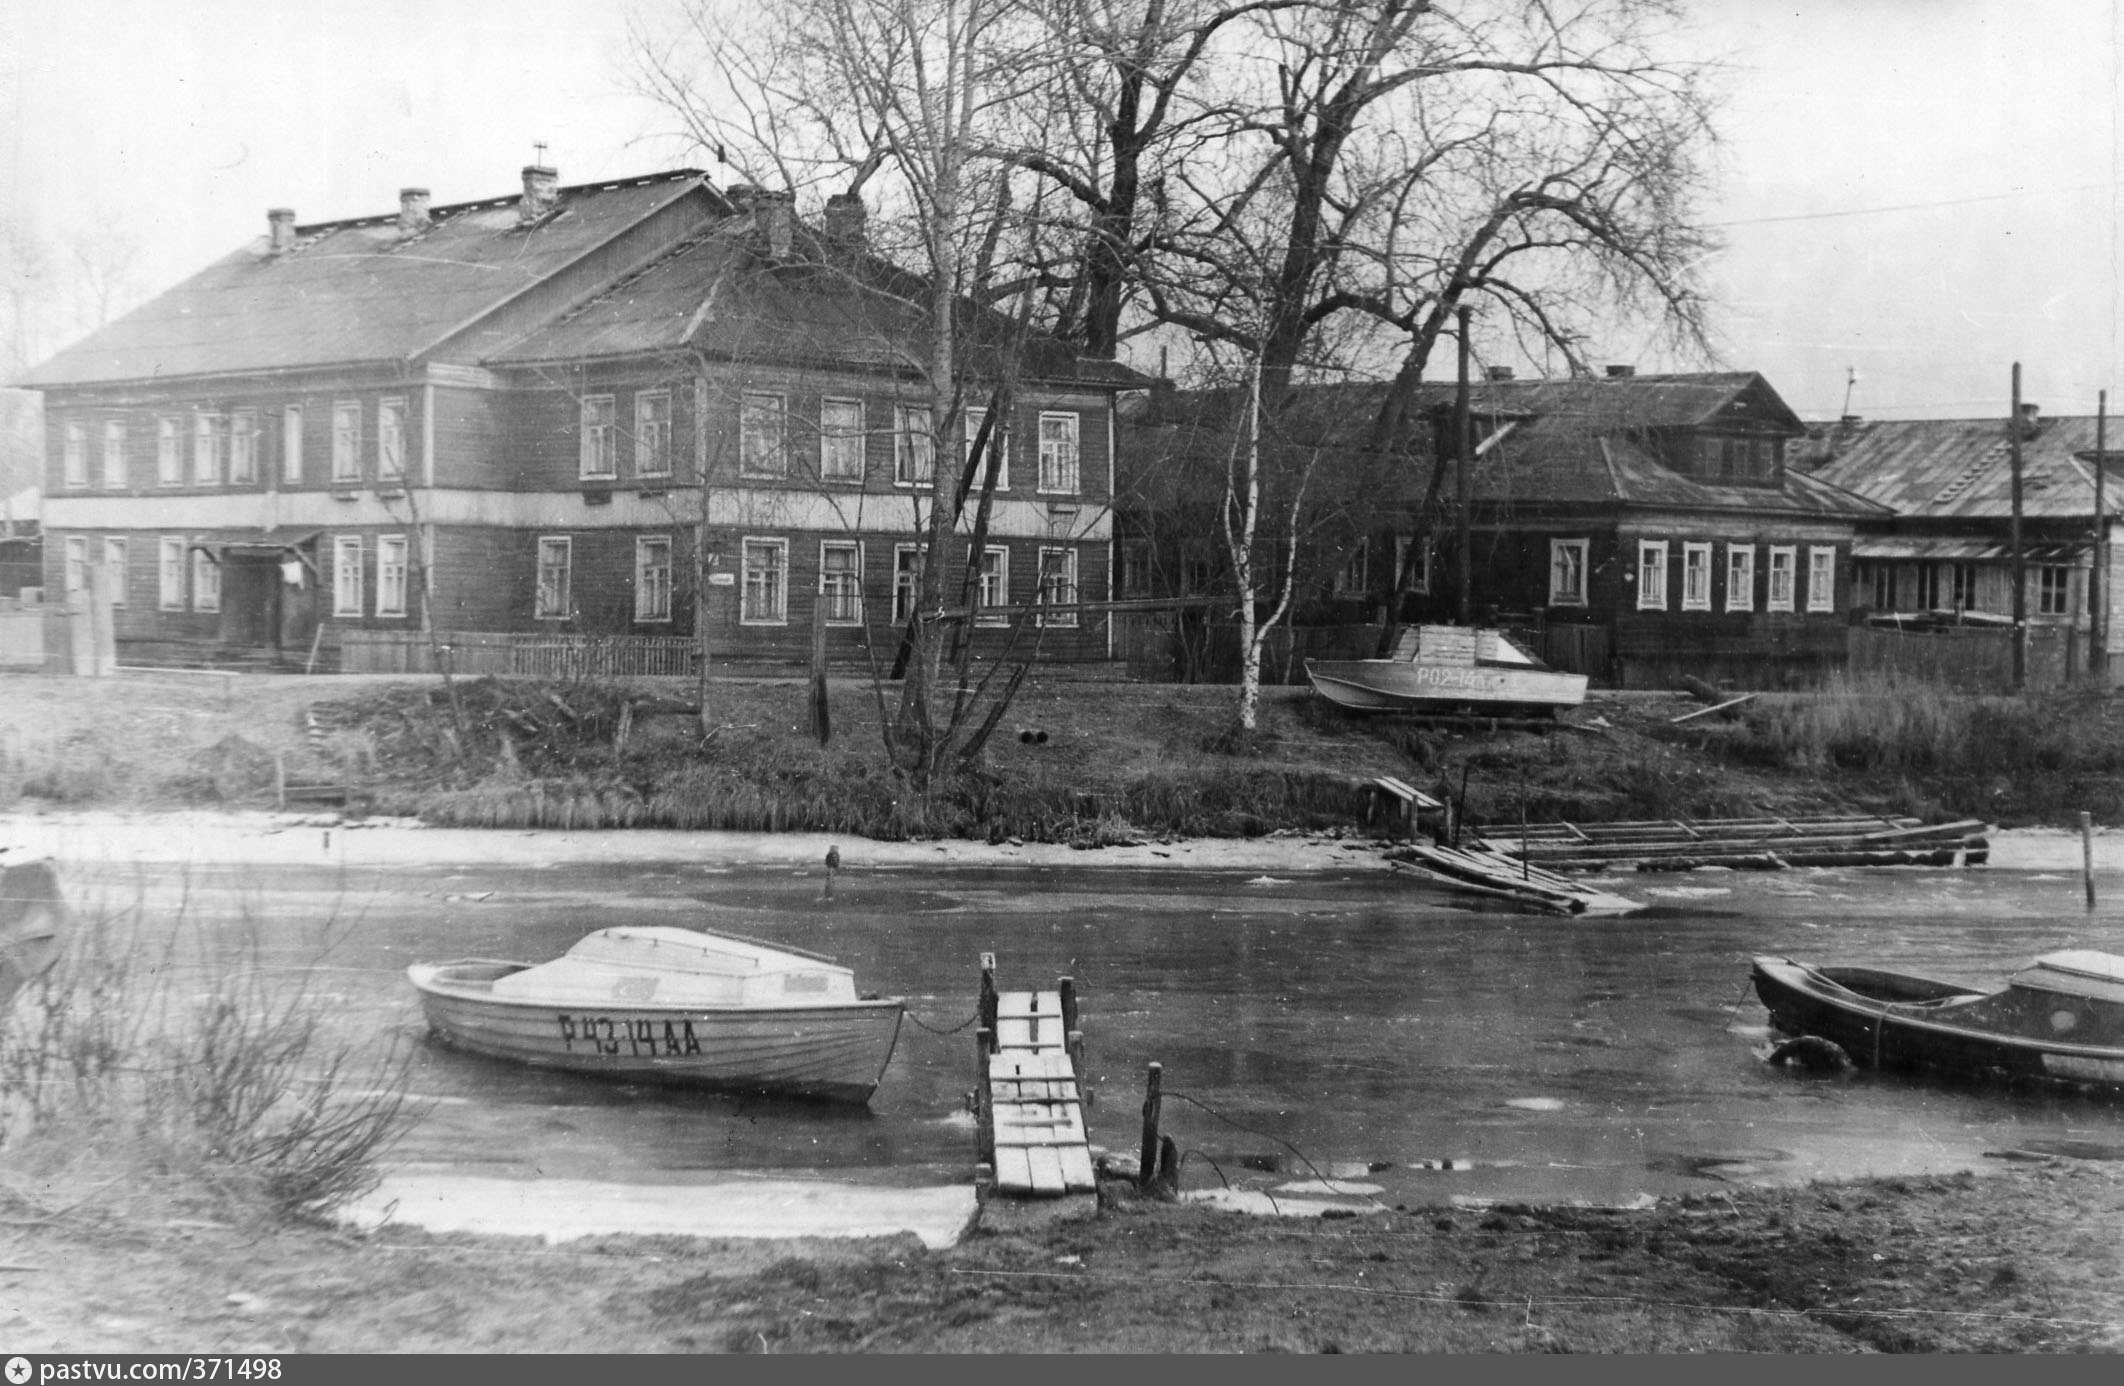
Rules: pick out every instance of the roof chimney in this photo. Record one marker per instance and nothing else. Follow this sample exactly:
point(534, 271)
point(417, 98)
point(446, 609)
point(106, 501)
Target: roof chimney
point(541, 192)
point(774, 216)
point(280, 223)
point(2031, 419)
point(1496, 372)
point(845, 220)
point(412, 211)
point(1621, 372)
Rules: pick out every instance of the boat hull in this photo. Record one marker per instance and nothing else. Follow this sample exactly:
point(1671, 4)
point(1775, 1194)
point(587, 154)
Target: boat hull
point(1381, 685)
point(835, 1050)
point(1892, 1020)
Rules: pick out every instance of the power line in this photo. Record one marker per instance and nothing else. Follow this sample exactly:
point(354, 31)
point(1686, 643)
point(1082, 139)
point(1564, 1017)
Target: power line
point(1917, 206)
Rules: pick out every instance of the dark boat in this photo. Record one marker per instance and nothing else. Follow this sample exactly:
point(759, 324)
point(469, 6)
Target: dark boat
point(2059, 1020)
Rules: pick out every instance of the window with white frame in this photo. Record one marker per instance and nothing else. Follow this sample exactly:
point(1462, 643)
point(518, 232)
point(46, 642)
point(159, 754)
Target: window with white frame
point(113, 453)
point(914, 445)
point(390, 447)
point(114, 564)
point(346, 441)
point(652, 433)
point(998, 448)
point(210, 434)
point(763, 436)
point(841, 439)
point(1416, 574)
point(556, 578)
point(391, 575)
point(169, 576)
point(346, 575)
point(169, 455)
point(1696, 577)
point(992, 604)
point(2053, 590)
point(1962, 585)
point(291, 444)
point(1567, 571)
point(652, 577)
point(1821, 578)
point(906, 581)
point(206, 581)
point(1058, 452)
point(841, 581)
point(1784, 564)
point(598, 451)
point(765, 570)
point(1740, 577)
point(74, 451)
point(1651, 575)
point(243, 446)
point(76, 575)
point(1058, 586)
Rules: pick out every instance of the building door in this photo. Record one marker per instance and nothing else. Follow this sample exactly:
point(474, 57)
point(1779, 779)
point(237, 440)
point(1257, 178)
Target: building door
point(250, 600)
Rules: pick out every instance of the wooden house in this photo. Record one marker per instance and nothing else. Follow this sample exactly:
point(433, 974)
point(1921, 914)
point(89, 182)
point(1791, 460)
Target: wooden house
point(638, 416)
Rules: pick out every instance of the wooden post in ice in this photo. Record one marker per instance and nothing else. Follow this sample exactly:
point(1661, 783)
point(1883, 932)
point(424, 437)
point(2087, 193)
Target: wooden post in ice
point(2087, 858)
point(988, 999)
point(1147, 1171)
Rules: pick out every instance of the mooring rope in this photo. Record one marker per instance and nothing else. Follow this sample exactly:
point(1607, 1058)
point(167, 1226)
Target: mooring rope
point(1265, 1135)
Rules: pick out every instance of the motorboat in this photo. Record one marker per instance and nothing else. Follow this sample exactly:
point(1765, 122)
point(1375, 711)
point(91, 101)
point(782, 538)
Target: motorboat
point(671, 1005)
point(2059, 1020)
point(1445, 669)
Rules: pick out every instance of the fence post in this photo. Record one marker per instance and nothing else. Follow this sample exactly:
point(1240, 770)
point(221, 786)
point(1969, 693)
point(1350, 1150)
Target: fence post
point(1147, 1168)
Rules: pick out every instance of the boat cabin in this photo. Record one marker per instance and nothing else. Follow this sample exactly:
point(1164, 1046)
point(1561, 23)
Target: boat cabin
point(668, 966)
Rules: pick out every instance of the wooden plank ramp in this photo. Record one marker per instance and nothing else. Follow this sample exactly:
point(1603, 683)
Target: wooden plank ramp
point(1487, 872)
point(1031, 1096)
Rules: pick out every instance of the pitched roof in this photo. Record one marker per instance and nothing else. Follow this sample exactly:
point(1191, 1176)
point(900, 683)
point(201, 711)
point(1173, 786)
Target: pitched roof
point(718, 293)
point(1962, 468)
point(358, 290)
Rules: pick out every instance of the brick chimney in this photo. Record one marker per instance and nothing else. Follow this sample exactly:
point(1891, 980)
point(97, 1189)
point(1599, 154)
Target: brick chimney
point(1497, 373)
point(845, 216)
point(412, 211)
point(2031, 419)
point(541, 192)
point(1621, 372)
point(280, 225)
point(774, 216)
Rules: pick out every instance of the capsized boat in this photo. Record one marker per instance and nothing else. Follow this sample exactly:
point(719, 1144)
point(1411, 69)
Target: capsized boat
point(1444, 668)
point(669, 1005)
point(2059, 1020)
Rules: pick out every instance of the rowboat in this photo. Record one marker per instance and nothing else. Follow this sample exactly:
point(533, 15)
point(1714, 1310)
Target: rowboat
point(2059, 1020)
point(668, 1005)
point(1447, 668)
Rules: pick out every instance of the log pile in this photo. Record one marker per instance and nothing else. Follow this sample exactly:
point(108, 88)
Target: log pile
point(1746, 844)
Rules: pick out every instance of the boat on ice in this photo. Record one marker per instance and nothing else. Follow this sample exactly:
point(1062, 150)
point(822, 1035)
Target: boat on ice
point(1446, 669)
point(669, 1005)
point(2059, 1020)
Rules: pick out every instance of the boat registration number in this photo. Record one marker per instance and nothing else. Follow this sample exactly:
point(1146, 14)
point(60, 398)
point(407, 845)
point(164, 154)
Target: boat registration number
point(601, 1034)
point(1449, 677)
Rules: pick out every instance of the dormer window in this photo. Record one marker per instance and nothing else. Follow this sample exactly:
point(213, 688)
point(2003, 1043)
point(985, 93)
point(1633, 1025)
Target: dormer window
point(1742, 459)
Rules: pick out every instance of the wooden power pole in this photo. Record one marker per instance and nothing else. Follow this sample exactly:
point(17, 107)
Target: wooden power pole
point(2098, 598)
point(1463, 446)
point(2020, 557)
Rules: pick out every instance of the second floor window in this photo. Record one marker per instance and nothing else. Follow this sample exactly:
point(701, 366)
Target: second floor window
point(210, 435)
point(556, 576)
point(2053, 590)
point(390, 446)
point(113, 454)
point(76, 454)
point(914, 445)
point(169, 459)
point(291, 444)
point(243, 446)
point(763, 436)
point(1058, 452)
point(841, 439)
point(1567, 572)
point(652, 433)
point(346, 441)
point(598, 456)
point(998, 448)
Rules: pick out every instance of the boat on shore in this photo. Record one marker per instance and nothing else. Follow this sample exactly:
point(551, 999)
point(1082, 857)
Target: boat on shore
point(668, 1005)
point(2057, 1021)
point(1448, 669)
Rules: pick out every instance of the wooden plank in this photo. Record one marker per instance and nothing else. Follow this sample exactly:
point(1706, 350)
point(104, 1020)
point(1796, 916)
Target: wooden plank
point(1034, 1090)
point(1707, 711)
point(1030, 1032)
point(1013, 1169)
point(1046, 1170)
point(1077, 1168)
point(1030, 1063)
point(1028, 1003)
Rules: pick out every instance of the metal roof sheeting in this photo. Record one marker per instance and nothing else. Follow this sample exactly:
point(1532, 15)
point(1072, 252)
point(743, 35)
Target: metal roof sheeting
point(1961, 468)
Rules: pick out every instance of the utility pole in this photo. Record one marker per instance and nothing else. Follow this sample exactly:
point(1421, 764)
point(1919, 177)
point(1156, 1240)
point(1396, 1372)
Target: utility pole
point(2098, 599)
point(2020, 557)
point(1463, 446)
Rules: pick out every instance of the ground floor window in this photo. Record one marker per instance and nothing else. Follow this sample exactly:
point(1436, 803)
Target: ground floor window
point(76, 576)
point(1354, 577)
point(841, 581)
point(170, 577)
point(906, 581)
point(114, 562)
point(1784, 564)
point(1962, 585)
point(2053, 590)
point(1652, 575)
point(556, 577)
point(391, 575)
point(1058, 586)
point(652, 578)
point(766, 577)
point(1821, 579)
point(1928, 587)
point(1740, 577)
point(993, 600)
point(1567, 572)
point(206, 581)
point(1415, 575)
point(1696, 577)
point(346, 575)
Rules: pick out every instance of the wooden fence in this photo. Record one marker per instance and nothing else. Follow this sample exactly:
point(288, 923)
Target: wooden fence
point(529, 656)
point(1965, 657)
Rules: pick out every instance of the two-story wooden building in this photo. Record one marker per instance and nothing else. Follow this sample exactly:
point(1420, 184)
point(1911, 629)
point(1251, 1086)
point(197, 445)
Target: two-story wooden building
point(634, 408)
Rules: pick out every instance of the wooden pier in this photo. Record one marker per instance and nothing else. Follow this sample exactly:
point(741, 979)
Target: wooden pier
point(1029, 1098)
point(1745, 843)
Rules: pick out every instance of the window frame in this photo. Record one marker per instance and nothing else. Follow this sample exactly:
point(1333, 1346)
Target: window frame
point(1821, 595)
point(114, 469)
point(1962, 586)
point(2062, 591)
point(775, 581)
point(390, 445)
point(243, 461)
point(385, 604)
point(1354, 576)
point(905, 593)
point(169, 573)
point(1561, 596)
point(1652, 575)
point(74, 562)
point(970, 426)
point(647, 588)
point(839, 600)
point(1052, 482)
point(551, 601)
point(210, 435)
point(1771, 600)
point(992, 613)
point(1700, 601)
point(291, 445)
point(346, 442)
point(1059, 620)
point(169, 450)
point(1421, 585)
point(1740, 577)
point(757, 408)
point(840, 444)
point(206, 582)
point(348, 599)
point(73, 454)
point(116, 559)
point(652, 433)
point(910, 444)
point(597, 438)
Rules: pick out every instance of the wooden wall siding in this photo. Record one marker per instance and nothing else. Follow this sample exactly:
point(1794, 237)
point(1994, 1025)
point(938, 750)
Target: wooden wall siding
point(543, 432)
point(483, 579)
point(1516, 571)
point(471, 438)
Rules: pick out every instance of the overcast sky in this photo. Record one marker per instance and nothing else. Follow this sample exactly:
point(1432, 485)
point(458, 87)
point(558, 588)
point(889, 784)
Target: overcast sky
point(1922, 190)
